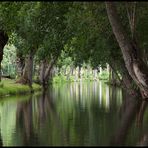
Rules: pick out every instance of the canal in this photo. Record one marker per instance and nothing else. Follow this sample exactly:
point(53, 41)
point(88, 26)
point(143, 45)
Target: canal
point(74, 114)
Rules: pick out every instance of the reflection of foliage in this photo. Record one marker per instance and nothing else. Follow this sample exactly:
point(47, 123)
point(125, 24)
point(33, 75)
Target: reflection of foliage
point(69, 115)
point(8, 123)
point(8, 109)
point(79, 108)
point(64, 60)
point(104, 75)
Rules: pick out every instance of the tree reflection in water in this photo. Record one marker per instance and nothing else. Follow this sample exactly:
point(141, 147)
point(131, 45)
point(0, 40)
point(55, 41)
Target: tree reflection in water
point(131, 109)
point(143, 136)
point(45, 111)
point(127, 114)
point(24, 121)
point(78, 114)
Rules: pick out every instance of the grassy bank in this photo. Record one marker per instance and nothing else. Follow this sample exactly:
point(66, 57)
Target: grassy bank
point(9, 87)
point(63, 79)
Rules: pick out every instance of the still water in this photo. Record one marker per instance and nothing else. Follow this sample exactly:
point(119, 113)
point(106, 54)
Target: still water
point(75, 114)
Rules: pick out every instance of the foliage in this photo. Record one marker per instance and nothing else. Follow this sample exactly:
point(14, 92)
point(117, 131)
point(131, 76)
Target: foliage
point(54, 29)
point(75, 32)
point(92, 39)
point(9, 63)
point(8, 15)
point(104, 75)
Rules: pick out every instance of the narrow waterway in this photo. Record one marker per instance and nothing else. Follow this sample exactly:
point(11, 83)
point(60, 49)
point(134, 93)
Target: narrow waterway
point(74, 114)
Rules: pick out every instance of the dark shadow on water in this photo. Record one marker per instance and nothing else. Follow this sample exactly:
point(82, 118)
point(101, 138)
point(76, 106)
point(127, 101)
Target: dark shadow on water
point(143, 136)
point(132, 110)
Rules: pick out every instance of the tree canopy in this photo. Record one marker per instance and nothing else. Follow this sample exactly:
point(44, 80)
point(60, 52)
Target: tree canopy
point(78, 31)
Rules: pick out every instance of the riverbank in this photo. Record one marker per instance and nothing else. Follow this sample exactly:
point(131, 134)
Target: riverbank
point(9, 87)
point(63, 78)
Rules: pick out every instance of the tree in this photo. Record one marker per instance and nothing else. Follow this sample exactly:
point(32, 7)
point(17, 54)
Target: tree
point(55, 37)
point(30, 33)
point(92, 40)
point(8, 15)
point(134, 63)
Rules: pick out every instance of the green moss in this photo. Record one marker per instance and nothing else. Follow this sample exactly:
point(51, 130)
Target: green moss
point(9, 87)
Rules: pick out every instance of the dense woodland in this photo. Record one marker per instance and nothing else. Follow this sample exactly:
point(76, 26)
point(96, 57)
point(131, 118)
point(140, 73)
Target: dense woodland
point(38, 39)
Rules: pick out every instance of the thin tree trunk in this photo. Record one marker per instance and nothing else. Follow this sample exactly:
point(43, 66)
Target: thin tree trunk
point(79, 72)
point(42, 71)
point(134, 64)
point(71, 70)
point(100, 68)
point(95, 74)
point(131, 13)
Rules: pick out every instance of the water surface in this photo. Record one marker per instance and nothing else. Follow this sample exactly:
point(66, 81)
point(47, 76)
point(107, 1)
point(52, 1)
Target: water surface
point(74, 114)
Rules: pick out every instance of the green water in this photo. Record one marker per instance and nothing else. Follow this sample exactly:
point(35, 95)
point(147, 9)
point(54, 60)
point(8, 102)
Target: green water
point(76, 114)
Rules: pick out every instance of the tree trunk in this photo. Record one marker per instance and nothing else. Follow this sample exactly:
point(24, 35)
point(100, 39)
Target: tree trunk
point(3, 41)
point(72, 70)
point(51, 74)
point(79, 72)
point(28, 71)
point(46, 72)
point(126, 81)
point(134, 64)
point(100, 69)
point(42, 71)
point(76, 74)
point(95, 74)
point(20, 63)
point(114, 77)
point(49, 68)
